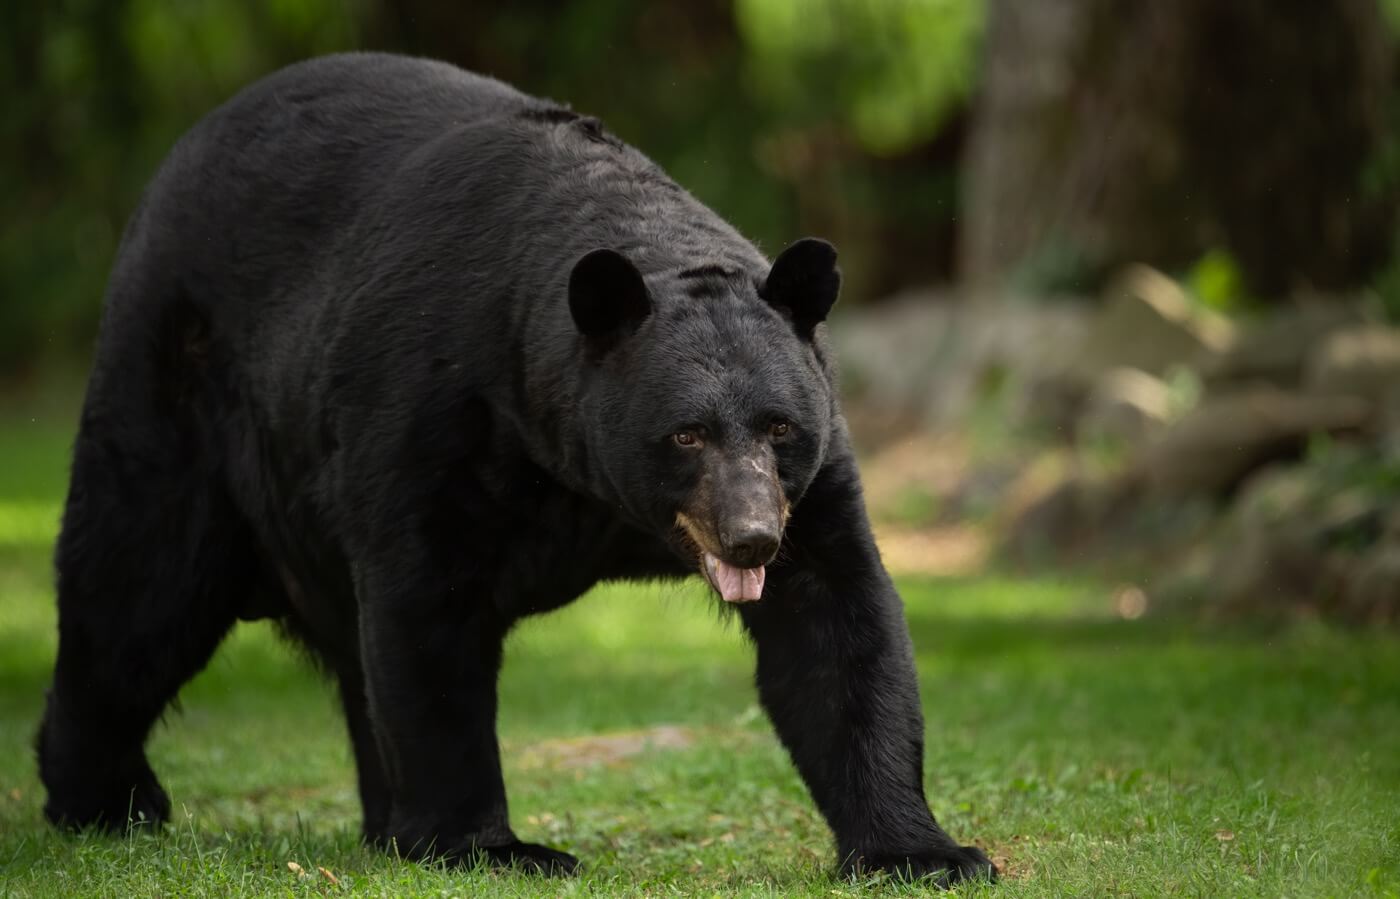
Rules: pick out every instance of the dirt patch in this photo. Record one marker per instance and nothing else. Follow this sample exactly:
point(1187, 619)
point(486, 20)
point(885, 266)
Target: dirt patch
point(943, 551)
point(1013, 858)
point(602, 749)
point(936, 465)
point(916, 491)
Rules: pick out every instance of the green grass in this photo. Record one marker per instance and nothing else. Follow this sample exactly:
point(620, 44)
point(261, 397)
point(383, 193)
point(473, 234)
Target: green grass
point(1094, 756)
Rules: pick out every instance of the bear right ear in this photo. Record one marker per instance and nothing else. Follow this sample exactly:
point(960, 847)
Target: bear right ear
point(804, 283)
point(607, 297)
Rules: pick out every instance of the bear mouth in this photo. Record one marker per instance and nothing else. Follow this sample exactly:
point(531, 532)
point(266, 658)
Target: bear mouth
point(732, 583)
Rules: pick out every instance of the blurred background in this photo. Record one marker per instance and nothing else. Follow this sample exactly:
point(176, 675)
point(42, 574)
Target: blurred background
point(1122, 279)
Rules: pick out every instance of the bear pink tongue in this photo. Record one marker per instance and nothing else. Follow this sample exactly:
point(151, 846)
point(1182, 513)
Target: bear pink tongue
point(735, 584)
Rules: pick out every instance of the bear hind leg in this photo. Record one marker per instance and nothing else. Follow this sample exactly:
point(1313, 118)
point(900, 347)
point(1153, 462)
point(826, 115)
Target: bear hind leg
point(375, 798)
point(152, 562)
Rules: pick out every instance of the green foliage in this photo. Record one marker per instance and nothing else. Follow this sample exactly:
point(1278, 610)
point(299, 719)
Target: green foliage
point(1344, 466)
point(783, 115)
point(893, 70)
point(1217, 282)
point(915, 507)
point(1391, 10)
point(95, 93)
point(1056, 267)
point(1184, 388)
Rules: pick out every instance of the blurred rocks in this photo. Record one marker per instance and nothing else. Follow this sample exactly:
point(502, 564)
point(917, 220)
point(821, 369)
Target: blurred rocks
point(925, 360)
point(1361, 362)
point(1373, 594)
point(1276, 493)
point(1145, 328)
point(1265, 493)
point(1276, 349)
point(1085, 517)
point(1126, 404)
point(1267, 555)
point(1069, 514)
point(1254, 464)
point(1148, 323)
point(1225, 438)
point(1302, 537)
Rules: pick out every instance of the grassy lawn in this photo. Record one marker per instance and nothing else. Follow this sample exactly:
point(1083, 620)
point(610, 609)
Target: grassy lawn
point(1091, 755)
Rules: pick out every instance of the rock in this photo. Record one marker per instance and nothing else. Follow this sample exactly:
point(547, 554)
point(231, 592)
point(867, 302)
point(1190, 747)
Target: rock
point(1317, 499)
point(1373, 589)
point(1126, 404)
point(1276, 349)
point(1269, 568)
point(1275, 493)
point(924, 467)
point(1070, 515)
point(1036, 478)
point(887, 352)
point(1051, 403)
point(1363, 362)
point(1389, 428)
point(1349, 520)
point(1335, 501)
point(1313, 537)
point(1297, 537)
point(1267, 556)
point(1147, 322)
point(925, 359)
point(1217, 444)
point(1048, 525)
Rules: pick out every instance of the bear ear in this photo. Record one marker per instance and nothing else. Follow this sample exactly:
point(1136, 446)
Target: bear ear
point(804, 283)
point(607, 297)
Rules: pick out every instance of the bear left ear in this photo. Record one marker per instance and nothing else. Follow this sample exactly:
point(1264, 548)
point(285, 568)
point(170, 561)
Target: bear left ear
point(804, 283)
point(607, 297)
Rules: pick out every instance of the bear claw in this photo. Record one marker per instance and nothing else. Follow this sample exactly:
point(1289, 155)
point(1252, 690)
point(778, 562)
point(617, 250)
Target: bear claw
point(528, 858)
point(947, 867)
point(114, 810)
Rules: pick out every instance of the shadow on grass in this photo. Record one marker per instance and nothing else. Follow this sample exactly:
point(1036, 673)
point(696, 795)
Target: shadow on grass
point(946, 618)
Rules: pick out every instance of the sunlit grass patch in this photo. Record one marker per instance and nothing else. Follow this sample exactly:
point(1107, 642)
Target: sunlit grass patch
point(28, 523)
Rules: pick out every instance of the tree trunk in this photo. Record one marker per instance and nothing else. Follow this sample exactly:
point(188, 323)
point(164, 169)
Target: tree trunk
point(1110, 132)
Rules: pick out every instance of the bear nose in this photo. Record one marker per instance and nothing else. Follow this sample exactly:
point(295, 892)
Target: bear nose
point(750, 545)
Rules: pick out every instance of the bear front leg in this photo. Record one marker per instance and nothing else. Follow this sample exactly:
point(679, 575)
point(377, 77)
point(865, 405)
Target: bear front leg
point(836, 676)
point(432, 652)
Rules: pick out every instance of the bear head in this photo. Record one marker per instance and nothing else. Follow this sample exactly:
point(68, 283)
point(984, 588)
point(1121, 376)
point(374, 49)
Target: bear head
point(708, 407)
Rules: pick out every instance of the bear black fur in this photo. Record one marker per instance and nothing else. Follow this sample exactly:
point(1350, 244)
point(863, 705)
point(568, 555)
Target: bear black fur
point(397, 355)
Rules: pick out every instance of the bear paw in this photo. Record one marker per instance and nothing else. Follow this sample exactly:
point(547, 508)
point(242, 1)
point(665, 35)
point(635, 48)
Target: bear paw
point(112, 808)
point(528, 858)
point(945, 865)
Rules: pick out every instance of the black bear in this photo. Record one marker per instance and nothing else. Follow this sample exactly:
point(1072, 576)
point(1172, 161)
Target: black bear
point(397, 354)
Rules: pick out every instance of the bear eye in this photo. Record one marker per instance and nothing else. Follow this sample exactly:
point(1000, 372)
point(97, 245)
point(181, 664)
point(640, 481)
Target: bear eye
point(779, 429)
point(687, 438)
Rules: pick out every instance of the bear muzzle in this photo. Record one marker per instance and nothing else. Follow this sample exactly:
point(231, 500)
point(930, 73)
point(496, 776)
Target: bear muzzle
point(735, 519)
point(732, 560)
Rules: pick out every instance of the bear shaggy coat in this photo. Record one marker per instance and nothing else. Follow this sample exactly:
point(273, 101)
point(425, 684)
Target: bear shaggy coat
point(397, 355)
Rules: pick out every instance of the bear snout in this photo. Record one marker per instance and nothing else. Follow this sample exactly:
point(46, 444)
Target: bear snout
point(751, 543)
